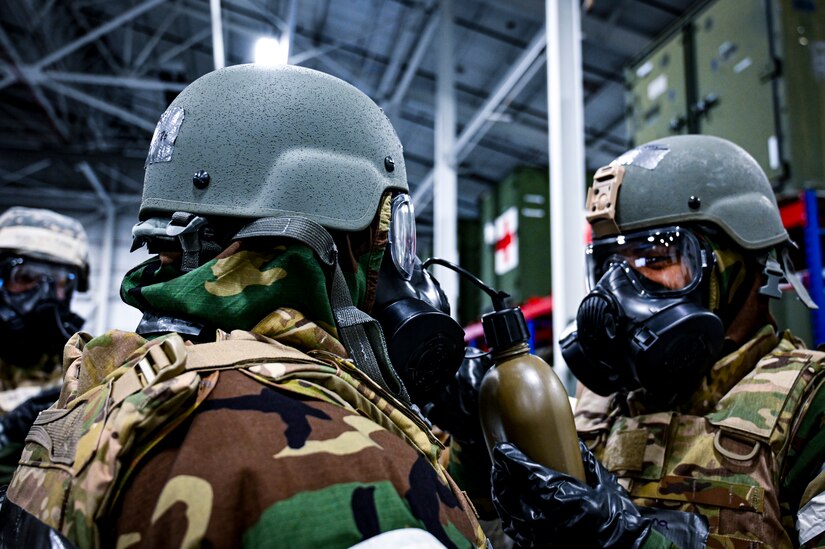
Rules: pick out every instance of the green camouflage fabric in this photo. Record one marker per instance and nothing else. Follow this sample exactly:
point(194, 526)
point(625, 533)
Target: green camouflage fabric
point(237, 289)
point(726, 454)
point(225, 454)
point(44, 234)
point(161, 443)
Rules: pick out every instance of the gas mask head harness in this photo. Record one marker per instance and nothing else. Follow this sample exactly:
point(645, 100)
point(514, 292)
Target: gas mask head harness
point(412, 349)
point(35, 296)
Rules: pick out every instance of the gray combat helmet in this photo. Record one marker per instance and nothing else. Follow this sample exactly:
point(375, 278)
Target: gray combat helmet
point(253, 141)
point(695, 179)
point(43, 234)
point(686, 179)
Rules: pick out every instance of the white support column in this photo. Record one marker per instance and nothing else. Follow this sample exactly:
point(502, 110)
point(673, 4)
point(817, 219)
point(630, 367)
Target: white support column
point(519, 74)
point(288, 36)
point(107, 248)
point(445, 198)
point(217, 34)
point(566, 127)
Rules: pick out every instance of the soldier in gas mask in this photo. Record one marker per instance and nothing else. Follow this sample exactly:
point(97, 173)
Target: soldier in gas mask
point(44, 259)
point(700, 425)
point(268, 396)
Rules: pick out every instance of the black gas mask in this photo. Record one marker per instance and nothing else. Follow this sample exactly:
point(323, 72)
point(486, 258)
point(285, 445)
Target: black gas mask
point(35, 319)
point(425, 344)
point(644, 323)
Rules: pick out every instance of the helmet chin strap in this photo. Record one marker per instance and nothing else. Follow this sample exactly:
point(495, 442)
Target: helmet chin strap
point(360, 333)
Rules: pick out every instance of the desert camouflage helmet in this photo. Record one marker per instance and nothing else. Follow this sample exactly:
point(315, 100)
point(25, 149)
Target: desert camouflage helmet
point(686, 179)
point(255, 141)
point(47, 235)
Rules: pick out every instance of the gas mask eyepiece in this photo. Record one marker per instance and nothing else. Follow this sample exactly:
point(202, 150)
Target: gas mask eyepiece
point(401, 238)
point(34, 308)
point(644, 323)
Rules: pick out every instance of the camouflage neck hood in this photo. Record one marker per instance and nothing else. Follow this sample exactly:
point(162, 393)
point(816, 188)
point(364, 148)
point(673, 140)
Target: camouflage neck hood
point(262, 289)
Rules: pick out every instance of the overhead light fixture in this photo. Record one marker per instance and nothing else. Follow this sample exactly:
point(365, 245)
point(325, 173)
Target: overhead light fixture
point(270, 51)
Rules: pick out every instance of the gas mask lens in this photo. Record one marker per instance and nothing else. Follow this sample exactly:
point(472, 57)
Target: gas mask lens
point(664, 261)
point(22, 275)
point(402, 235)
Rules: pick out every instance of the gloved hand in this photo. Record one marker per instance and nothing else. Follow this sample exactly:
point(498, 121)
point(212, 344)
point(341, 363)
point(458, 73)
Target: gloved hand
point(15, 425)
point(540, 507)
point(455, 408)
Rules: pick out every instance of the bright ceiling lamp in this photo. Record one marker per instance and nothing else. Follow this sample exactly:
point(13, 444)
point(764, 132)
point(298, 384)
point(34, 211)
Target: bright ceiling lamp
point(270, 51)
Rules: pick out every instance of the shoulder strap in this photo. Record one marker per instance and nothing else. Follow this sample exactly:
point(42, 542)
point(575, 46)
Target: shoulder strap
point(172, 357)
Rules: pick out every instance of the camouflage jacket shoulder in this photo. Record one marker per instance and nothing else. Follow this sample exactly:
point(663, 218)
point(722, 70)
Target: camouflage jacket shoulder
point(123, 397)
point(726, 463)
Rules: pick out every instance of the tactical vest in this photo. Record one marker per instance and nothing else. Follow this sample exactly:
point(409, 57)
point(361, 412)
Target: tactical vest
point(80, 453)
point(725, 465)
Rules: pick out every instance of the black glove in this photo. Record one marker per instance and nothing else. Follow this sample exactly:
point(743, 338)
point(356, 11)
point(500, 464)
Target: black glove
point(455, 408)
point(19, 528)
point(540, 507)
point(15, 425)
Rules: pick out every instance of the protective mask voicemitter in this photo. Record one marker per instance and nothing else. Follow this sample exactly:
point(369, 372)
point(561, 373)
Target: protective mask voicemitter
point(644, 323)
point(425, 344)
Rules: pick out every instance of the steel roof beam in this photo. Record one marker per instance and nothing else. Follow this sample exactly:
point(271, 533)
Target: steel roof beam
point(101, 105)
point(11, 177)
point(153, 42)
point(40, 98)
point(415, 61)
point(399, 54)
point(116, 81)
point(98, 32)
point(422, 197)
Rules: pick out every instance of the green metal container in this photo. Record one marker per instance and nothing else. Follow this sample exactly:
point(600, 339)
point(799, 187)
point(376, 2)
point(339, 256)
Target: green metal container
point(516, 236)
point(751, 71)
point(658, 92)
